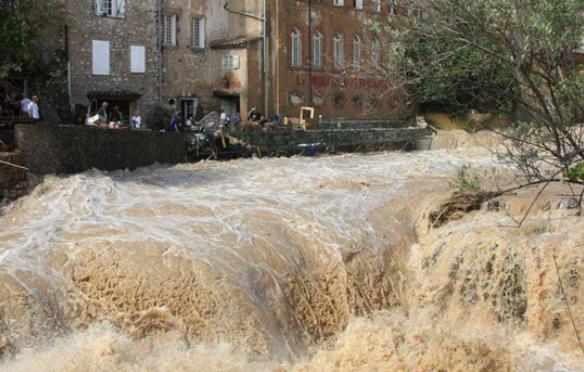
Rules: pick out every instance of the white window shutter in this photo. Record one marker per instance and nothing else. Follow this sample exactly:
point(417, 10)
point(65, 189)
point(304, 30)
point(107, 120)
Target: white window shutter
point(235, 62)
point(100, 7)
point(121, 8)
point(137, 59)
point(173, 30)
point(100, 57)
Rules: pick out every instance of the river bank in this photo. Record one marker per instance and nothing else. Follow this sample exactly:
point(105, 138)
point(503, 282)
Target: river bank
point(325, 263)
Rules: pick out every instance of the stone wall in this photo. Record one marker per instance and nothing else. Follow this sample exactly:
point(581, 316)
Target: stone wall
point(138, 27)
point(72, 149)
point(13, 181)
point(333, 141)
point(344, 123)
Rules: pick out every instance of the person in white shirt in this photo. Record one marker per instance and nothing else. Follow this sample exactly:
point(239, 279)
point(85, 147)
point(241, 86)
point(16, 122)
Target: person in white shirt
point(33, 109)
point(136, 120)
point(222, 118)
point(24, 105)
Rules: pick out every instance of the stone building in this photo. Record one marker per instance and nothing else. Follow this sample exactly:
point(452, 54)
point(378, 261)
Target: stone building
point(113, 54)
point(325, 54)
point(208, 55)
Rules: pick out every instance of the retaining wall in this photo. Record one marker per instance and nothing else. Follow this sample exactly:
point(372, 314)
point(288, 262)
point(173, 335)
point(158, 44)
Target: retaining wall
point(13, 181)
point(72, 149)
point(329, 124)
point(334, 141)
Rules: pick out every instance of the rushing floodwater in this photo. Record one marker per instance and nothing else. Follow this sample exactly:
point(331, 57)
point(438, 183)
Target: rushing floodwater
point(259, 260)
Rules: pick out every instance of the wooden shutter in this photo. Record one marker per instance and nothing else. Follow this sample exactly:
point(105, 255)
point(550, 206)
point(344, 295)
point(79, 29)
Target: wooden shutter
point(137, 59)
point(100, 55)
point(120, 8)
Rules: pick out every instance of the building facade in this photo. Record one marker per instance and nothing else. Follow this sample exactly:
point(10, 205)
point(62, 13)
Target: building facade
point(326, 55)
point(207, 55)
point(113, 54)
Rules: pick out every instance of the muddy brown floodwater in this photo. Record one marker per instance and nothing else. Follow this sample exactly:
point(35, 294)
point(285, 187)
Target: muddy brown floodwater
point(304, 264)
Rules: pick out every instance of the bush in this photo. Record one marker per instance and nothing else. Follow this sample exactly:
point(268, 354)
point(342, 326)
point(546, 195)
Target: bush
point(159, 116)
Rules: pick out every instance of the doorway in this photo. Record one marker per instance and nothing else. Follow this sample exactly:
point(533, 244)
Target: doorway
point(230, 106)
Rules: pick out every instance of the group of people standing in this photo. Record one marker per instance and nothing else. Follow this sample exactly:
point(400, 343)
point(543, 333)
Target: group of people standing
point(12, 104)
point(114, 119)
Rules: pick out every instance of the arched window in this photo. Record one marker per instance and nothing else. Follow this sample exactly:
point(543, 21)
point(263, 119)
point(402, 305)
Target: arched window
point(375, 53)
point(317, 49)
point(338, 53)
point(296, 49)
point(356, 51)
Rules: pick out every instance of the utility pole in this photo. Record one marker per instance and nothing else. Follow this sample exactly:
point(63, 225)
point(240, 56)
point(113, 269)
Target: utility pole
point(310, 51)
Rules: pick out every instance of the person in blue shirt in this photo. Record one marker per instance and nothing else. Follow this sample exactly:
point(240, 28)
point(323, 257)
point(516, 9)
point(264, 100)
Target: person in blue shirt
point(174, 123)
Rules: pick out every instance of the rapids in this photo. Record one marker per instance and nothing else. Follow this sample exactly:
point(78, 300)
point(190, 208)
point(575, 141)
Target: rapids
point(284, 264)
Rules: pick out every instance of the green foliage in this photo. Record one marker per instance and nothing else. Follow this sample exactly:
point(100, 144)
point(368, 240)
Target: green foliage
point(469, 181)
point(159, 116)
point(27, 28)
point(466, 80)
point(576, 173)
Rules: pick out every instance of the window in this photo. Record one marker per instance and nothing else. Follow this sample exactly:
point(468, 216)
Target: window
point(137, 59)
point(231, 62)
point(358, 4)
point(110, 8)
point(338, 54)
point(375, 53)
point(338, 2)
point(376, 6)
point(100, 57)
point(393, 7)
point(317, 50)
point(357, 51)
point(189, 108)
point(168, 28)
point(296, 49)
point(199, 33)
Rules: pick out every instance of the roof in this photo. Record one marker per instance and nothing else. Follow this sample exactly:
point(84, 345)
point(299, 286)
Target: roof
point(238, 43)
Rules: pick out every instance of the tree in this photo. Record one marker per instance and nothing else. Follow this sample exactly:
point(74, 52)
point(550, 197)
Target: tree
point(28, 29)
point(512, 56)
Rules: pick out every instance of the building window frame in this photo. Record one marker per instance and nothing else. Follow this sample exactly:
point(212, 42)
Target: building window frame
point(199, 25)
point(100, 57)
point(168, 30)
point(295, 49)
point(137, 59)
point(231, 61)
point(110, 8)
point(317, 50)
point(338, 52)
point(188, 107)
point(375, 53)
point(357, 46)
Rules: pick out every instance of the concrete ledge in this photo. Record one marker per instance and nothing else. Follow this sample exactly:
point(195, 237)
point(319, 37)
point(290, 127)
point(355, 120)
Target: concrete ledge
point(334, 141)
point(73, 149)
point(328, 124)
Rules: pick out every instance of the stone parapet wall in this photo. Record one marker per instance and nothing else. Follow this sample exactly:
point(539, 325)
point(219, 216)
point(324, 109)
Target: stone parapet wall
point(13, 180)
point(70, 149)
point(364, 123)
point(334, 141)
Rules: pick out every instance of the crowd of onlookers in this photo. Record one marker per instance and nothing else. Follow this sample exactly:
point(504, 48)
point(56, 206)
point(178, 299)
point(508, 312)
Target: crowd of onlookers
point(18, 104)
point(114, 118)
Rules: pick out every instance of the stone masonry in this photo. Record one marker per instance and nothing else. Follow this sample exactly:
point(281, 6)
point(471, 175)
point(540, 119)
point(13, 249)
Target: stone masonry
point(139, 26)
